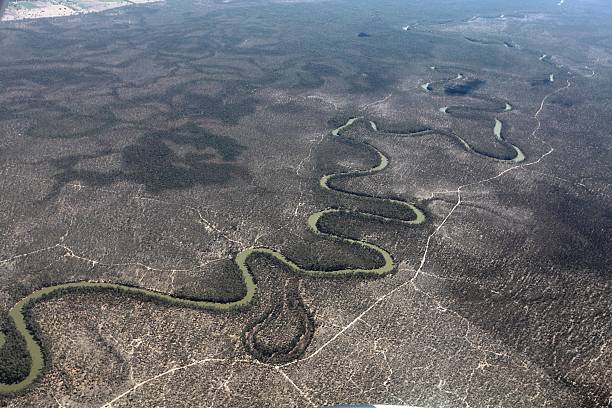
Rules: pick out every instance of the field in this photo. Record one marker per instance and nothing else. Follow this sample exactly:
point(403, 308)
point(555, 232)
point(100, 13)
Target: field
point(13, 10)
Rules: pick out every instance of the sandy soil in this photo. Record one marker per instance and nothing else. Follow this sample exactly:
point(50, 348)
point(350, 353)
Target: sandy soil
point(23, 10)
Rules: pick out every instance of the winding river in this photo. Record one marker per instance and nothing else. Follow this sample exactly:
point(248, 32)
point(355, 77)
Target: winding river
point(517, 157)
point(17, 313)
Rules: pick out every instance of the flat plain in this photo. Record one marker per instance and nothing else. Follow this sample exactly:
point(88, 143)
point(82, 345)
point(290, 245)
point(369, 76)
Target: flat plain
point(301, 203)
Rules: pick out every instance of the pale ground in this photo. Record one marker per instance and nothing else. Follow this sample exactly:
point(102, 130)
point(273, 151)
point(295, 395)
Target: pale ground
point(22, 10)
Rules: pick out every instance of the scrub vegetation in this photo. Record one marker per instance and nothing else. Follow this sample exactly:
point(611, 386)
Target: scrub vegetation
point(270, 204)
